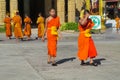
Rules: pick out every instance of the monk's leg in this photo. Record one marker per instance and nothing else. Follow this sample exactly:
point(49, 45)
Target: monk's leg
point(39, 32)
point(49, 59)
point(83, 62)
point(117, 30)
point(91, 60)
point(53, 62)
point(92, 52)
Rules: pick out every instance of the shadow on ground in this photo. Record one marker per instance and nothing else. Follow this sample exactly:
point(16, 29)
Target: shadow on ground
point(65, 60)
point(1, 40)
point(98, 61)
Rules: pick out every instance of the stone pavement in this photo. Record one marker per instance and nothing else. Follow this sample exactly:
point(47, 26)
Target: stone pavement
point(27, 60)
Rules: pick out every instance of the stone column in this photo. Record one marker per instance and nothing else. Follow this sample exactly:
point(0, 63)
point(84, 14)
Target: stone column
point(2, 11)
point(55, 5)
point(79, 4)
point(13, 7)
point(27, 7)
point(100, 7)
point(61, 10)
point(87, 4)
point(71, 10)
point(48, 4)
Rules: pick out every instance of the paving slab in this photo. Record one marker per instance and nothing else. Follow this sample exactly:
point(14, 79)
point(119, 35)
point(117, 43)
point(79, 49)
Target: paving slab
point(27, 60)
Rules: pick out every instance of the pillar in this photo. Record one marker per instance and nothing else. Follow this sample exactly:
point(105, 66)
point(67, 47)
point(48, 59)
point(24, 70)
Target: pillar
point(79, 4)
point(101, 7)
point(2, 11)
point(27, 7)
point(47, 3)
point(13, 7)
point(61, 10)
point(87, 4)
point(55, 5)
point(71, 10)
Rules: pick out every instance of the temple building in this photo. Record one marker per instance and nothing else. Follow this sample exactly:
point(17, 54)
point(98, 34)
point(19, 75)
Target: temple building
point(67, 10)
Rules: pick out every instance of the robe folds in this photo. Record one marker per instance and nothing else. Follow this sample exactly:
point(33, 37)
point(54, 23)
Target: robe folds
point(52, 39)
point(40, 22)
point(17, 26)
point(8, 26)
point(86, 47)
point(117, 22)
point(27, 29)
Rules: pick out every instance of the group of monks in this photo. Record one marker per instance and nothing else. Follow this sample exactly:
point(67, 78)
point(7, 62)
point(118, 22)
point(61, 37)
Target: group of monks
point(86, 47)
point(16, 24)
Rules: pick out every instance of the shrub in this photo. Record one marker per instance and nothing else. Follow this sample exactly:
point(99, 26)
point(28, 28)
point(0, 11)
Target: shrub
point(69, 26)
point(2, 29)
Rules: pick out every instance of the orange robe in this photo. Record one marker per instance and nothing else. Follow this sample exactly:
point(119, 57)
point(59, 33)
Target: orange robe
point(52, 39)
point(86, 47)
point(17, 27)
point(117, 22)
point(40, 22)
point(8, 27)
point(27, 30)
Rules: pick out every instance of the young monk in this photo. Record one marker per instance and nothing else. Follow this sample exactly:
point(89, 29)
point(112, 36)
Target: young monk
point(40, 23)
point(117, 19)
point(17, 26)
point(52, 29)
point(8, 26)
point(86, 47)
point(27, 29)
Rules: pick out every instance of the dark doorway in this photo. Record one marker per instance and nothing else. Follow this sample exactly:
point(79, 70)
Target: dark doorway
point(112, 9)
point(66, 10)
point(21, 8)
point(36, 7)
point(7, 6)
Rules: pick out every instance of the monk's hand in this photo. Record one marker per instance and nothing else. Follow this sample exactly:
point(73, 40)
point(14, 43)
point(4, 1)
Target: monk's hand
point(43, 39)
point(60, 36)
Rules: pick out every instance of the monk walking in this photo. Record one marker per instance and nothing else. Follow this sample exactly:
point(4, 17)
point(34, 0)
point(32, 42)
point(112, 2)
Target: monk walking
point(8, 26)
point(17, 26)
point(117, 19)
point(40, 23)
point(86, 47)
point(52, 29)
point(27, 29)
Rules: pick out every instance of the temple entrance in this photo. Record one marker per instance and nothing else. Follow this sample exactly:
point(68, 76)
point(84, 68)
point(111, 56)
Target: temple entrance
point(21, 8)
point(7, 6)
point(31, 8)
point(36, 7)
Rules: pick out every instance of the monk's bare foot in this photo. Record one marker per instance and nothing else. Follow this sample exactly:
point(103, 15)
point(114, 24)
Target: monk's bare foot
point(49, 62)
point(36, 38)
point(10, 38)
point(21, 39)
point(83, 63)
point(94, 64)
point(28, 39)
point(54, 64)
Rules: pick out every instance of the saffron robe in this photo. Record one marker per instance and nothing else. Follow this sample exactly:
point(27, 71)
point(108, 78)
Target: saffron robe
point(117, 22)
point(27, 29)
point(17, 26)
point(86, 47)
point(40, 22)
point(52, 39)
point(8, 26)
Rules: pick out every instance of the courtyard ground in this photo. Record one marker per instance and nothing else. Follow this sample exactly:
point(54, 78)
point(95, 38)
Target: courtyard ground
point(27, 60)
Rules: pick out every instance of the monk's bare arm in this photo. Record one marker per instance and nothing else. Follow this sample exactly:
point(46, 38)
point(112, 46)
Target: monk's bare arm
point(83, 21)
point(46, 21)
